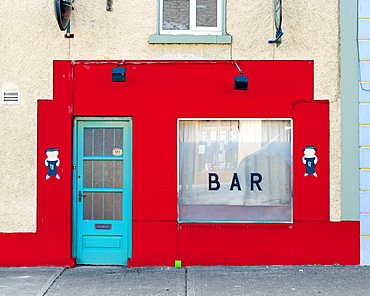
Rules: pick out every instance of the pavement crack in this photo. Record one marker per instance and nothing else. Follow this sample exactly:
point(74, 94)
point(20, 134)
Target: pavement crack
point(186, 281)
point(46, 288)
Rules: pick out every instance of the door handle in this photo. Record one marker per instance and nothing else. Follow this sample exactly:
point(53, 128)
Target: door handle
point(80, 195)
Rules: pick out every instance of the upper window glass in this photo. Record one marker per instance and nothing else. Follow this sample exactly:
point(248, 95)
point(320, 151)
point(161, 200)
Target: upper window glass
point(235, 170)
point(196, 17)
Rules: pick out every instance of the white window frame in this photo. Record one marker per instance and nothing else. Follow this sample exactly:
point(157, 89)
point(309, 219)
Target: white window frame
point(193, 29)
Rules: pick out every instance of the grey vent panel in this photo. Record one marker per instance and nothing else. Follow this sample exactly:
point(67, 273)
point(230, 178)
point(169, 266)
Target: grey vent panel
point(10, 97)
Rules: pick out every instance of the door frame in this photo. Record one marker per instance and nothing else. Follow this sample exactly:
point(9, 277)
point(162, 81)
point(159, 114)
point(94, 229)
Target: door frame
point(127, 171)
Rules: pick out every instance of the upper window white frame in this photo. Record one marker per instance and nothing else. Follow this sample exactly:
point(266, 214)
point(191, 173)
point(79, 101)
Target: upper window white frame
point(193, 28)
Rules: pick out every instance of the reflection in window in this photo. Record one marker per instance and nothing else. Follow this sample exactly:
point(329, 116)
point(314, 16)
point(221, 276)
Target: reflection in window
point(235, 170)
point(176, 14)
point(207, 13)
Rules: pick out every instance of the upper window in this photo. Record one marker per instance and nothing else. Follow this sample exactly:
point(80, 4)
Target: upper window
point(235, 170)
point(197, 17)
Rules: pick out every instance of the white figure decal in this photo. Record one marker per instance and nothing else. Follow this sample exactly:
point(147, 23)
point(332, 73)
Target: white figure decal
point(310, 160)
point(52, 162)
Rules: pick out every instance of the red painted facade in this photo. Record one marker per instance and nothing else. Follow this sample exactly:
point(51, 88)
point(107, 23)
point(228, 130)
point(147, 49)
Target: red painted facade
point(155, 95)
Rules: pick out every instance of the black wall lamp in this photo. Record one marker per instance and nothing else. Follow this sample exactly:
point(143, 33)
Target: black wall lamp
point(119, 74)
point(240, 82)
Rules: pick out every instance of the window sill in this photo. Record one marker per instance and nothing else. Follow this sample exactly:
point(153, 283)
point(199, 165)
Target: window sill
point(183, 39)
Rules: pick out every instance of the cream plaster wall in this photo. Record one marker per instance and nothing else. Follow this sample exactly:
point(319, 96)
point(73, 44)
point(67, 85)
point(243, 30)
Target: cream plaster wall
point(31, 40)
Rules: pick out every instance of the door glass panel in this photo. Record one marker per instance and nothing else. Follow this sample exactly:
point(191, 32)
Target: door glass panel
point(103, 174)
point(102, 206)
point(102, 141)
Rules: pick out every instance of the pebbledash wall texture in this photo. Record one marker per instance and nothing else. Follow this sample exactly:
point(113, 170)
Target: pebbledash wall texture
point(35, 42)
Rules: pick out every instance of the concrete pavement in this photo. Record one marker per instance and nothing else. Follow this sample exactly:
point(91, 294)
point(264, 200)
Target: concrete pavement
point(204, 281)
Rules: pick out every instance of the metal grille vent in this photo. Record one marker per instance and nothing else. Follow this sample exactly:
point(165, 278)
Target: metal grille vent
point(10, 97)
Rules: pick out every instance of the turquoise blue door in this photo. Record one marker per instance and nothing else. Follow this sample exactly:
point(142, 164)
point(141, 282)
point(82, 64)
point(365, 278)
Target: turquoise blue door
point(102, 190)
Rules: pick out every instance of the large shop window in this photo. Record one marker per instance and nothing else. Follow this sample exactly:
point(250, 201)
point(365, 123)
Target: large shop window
point(235, 170)
point(191, 17)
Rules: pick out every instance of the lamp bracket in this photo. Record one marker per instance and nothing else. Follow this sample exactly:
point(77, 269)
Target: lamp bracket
point(278, 38)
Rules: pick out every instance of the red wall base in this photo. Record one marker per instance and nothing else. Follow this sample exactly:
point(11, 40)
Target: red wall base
point(303, 243)
point(161, 243)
